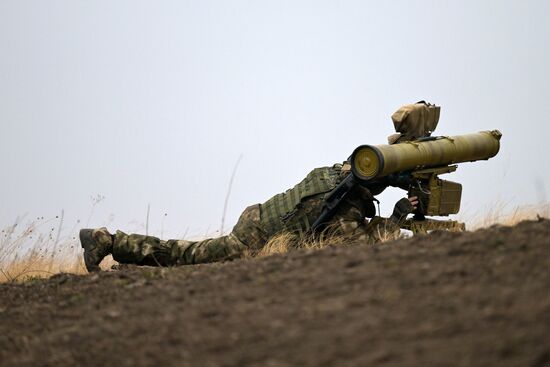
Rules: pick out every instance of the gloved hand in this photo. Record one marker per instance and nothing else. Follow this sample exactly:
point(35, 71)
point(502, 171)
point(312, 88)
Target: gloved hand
point(403, 208)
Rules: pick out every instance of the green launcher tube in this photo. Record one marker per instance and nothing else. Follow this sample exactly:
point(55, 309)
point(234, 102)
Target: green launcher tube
point(372, 161)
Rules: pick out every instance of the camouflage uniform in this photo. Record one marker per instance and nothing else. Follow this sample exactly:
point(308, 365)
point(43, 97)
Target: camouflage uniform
point(292, 211)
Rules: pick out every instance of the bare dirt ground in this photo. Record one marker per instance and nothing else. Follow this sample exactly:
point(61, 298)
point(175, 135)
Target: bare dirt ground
point(471, 299)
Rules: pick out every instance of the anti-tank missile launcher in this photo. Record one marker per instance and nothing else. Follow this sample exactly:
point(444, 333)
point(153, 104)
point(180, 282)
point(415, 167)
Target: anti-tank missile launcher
point(418, 164)
point(413, 160)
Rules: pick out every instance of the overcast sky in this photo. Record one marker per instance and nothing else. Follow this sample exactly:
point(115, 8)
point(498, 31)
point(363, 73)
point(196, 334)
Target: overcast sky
point(153, 102)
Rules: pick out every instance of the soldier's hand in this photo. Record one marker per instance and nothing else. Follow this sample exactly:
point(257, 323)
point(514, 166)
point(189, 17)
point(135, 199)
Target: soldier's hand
point(403, 208)
point(414, 201)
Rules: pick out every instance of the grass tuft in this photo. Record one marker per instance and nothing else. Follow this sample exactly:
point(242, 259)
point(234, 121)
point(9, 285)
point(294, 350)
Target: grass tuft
point(39, 250)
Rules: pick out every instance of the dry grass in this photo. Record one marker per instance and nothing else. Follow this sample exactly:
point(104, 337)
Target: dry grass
point(36, 249)
point(286, 242)
point(39, 248)
point(502, 214)
point(37, 267)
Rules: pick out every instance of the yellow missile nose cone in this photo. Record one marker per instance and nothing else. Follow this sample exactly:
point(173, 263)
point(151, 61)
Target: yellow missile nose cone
point(366, 163)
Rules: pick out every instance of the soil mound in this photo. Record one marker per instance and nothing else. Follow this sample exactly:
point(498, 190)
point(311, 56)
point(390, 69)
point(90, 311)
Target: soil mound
point(447, 299)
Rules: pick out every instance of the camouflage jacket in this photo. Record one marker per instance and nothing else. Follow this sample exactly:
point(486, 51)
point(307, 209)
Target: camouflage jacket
point(296, 209)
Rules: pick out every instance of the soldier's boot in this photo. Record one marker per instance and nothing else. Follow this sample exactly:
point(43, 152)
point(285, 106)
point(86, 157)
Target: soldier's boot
point(97, 243)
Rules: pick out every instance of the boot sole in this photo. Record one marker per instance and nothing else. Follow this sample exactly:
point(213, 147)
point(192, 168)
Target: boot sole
point(87, 243)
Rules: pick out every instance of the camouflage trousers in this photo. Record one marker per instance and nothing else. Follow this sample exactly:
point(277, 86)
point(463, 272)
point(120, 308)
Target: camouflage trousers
point(247, 235)
point(148, 250)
